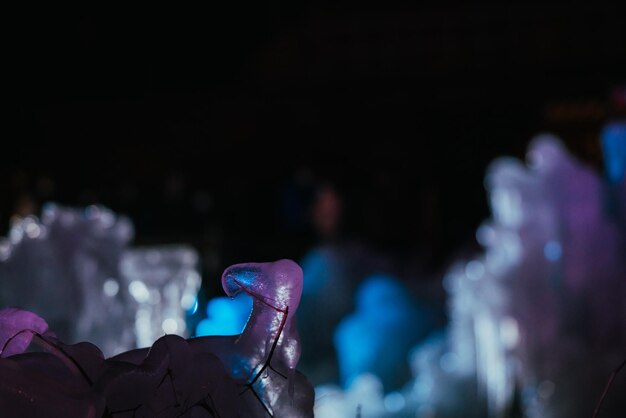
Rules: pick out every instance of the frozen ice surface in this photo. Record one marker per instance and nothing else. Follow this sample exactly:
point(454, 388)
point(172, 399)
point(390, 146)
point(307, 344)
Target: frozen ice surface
point(65, 267)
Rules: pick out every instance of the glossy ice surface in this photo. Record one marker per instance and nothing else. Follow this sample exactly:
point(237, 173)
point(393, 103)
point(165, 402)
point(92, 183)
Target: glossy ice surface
point(163, 282)
point(65, 267)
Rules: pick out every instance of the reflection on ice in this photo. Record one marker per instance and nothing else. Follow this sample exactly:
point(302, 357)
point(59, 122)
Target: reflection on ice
point(74, 268)
point(65, 267)
point(163, 281)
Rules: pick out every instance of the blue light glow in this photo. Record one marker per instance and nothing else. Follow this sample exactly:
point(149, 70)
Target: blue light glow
point(552, 251)
point(318, 267)
point(226, 316)
point(394, 402)
point(614, 150)
point(378, 336)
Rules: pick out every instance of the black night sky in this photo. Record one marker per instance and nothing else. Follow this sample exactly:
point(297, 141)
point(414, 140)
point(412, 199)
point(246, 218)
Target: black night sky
point(218, 127)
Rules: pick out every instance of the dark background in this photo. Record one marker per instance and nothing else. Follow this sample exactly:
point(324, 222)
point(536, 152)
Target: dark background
point(217, 127)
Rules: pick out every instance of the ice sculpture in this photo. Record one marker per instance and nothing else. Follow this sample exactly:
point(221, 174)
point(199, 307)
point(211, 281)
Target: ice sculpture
point(614, 150)
point(537, 321)
point(252, 374)
point(542, 310)
point(377, 337)
point(163, 281)
point(437, 391)
point(363, 398)
point(74, 268)
point(332, 274)
point(65, 268)
point(225, 316)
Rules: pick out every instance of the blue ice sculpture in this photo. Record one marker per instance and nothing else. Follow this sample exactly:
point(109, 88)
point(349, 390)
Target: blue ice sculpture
point(378, 336)
point(226, 316)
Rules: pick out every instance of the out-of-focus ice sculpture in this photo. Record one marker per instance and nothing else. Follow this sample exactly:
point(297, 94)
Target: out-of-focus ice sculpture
point(65, 267)
point(377, 337)
point(541, 312)
point(363, 398)
point(439, 390)
point(75, 268)
point(538, 321)
point(164, 282)
point(374, 352)
point(226, 316)
point(614, 150)
point(331, 276)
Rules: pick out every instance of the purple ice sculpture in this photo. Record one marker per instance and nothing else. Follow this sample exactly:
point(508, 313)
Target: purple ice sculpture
point(252, 374)
point(541, 311)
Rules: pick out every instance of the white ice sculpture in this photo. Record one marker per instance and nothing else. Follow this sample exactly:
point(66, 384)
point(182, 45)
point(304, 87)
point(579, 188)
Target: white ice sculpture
point(439, 390)
point(163, 281)
point(74, 268)
point(64, 267)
